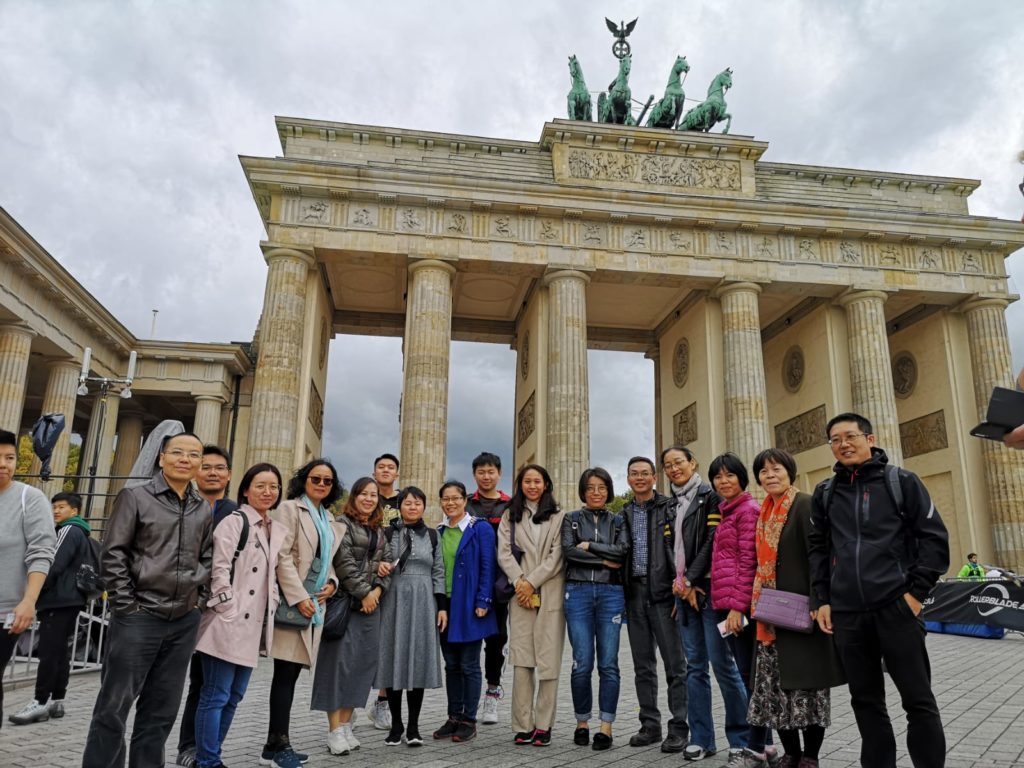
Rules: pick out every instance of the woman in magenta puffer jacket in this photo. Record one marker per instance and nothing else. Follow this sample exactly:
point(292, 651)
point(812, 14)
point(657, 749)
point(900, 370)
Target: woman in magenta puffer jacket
point(733, 563)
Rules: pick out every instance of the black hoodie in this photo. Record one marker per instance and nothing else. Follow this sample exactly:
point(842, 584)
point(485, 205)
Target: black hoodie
point(864, 553)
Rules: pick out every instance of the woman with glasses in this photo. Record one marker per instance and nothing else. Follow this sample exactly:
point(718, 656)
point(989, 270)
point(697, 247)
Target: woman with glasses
point(595, 544)
point(793, 671)
point(467, 550)
point(243, 597)
point(412, 612)
point(536, 568)
point(345, 668)
point(309, 540)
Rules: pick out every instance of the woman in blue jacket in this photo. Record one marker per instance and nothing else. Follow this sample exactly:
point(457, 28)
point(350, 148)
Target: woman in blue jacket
point(467, 547)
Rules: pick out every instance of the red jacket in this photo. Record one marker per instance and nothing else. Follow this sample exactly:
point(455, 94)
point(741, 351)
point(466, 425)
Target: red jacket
point(733, 558)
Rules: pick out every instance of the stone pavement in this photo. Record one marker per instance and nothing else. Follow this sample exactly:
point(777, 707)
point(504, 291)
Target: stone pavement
point(978, 683)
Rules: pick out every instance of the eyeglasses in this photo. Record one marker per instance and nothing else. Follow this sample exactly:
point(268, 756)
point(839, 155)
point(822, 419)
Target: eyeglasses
point(641, 475)
point(451, 499)
point(326, 482)
point(677, 464)
point(847, 438)
point(261, 487)
point(214, 468)
point(177, 453)
point(596, 489)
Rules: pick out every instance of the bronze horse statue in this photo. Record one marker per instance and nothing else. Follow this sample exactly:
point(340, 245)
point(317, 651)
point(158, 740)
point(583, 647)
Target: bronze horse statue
point(705, 115)
point(616, 105)
point(579, 96)
point(668, 110)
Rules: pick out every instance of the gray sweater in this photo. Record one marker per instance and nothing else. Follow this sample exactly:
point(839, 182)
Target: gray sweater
point(27, 541)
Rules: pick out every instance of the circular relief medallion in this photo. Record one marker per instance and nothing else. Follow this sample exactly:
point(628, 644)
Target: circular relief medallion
point(793, 368)
point(324, 339)
point(524, 356)
point(681, 362)
point(904, 374)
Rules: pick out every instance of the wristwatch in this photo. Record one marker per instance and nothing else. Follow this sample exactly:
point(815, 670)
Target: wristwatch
point(687, 584)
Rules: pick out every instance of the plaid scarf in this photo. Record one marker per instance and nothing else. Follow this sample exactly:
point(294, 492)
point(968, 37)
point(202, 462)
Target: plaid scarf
point(769, 529)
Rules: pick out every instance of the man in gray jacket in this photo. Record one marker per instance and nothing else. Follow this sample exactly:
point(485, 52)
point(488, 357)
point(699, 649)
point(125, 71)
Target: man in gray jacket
point(157, 555)
point(27, 541)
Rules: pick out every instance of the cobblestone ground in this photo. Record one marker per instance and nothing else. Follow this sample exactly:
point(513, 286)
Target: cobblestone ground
point(978, 683)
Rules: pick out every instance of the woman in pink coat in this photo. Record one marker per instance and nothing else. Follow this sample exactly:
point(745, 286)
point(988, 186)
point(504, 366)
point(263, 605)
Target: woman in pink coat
point(243, 589)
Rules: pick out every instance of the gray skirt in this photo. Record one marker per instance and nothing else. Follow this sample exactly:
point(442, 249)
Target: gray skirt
point(345, 668)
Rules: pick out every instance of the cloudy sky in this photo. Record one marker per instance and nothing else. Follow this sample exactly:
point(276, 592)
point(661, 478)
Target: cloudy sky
point(121, 124)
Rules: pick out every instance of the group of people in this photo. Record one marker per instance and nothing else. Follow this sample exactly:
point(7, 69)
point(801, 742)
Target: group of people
point(376, 599)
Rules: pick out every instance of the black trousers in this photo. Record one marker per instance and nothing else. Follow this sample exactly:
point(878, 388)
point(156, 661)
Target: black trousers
point(187, 734)
point(7, 643)
point(146, 659)
point(494, 647)
point(56, 631)
point(891, 633)
point(282, 693)
point(652, 630)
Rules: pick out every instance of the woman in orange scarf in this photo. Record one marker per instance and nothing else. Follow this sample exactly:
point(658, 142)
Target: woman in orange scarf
point(792, 671)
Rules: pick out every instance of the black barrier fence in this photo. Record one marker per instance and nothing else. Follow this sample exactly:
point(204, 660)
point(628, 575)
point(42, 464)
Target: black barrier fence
point(994, 603)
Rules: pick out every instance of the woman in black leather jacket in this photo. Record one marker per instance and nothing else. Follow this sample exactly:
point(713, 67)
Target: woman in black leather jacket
point(595, 544)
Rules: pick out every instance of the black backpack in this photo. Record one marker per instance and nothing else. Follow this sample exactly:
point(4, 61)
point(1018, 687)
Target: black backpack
point(243, 538)
point(892, 485)
point(87, 578)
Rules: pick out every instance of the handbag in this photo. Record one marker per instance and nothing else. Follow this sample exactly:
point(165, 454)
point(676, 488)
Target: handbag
point(505, 590)
point(788, 610)
point(337, 612)
point(289, 616)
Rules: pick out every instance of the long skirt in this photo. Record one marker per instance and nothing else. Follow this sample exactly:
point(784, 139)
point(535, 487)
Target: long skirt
point(771, 705)
point(345, 668)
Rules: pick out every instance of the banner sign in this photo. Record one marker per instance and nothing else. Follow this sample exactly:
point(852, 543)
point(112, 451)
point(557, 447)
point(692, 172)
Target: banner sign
point(995, 603)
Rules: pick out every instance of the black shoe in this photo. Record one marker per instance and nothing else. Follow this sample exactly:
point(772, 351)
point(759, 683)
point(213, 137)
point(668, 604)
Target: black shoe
point(541, 738)
point(413, 738)
point(602, 741)
point(673, 743)
point(524, 737)
point(581, 737)
point(447, 730)
point(394, 737)
point(464, 732)
point(645, 737)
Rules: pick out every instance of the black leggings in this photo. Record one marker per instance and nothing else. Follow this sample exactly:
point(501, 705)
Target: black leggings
point(282, 692)
point(814, 736)
point(415, 697)
point(56, 629)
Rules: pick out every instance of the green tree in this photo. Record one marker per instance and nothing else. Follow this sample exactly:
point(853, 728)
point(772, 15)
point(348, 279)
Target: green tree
point(619, 502)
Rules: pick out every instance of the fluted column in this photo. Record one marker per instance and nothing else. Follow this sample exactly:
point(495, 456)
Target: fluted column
point(274, 419)
point(871, 369)
point(15, 346)
point(427, 349)
point(1004, 468)
point(104, 456)
point(568, 415)
point(654, 354)
point(207, 419)
point(61, 393)
point(129, 443)
point(746, 399)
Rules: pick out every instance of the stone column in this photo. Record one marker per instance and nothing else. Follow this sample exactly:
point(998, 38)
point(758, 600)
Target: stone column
point(61, 393)
point(871, 368)
point(654, 354)
point(426, 349)
point(274, 421)
point(568, 434)
point(104, 456)
point(746, 399)
point(15, 345)
point(129, 443)
point(207, 419)
point(1004, 468)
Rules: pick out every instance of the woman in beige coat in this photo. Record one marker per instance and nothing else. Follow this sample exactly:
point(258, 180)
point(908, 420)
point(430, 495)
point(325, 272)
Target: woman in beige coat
point(536, 619)
point(307, 531)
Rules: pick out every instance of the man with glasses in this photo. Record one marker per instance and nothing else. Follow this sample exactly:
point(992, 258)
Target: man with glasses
point(649, 572)
point(213, 480)
point(877, 547)
point(156, 560)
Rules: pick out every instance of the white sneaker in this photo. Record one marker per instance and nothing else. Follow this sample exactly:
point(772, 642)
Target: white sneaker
point(33, 712)
point(337, 744)
point(380, 715)
point(489, 709)
point(346, 729)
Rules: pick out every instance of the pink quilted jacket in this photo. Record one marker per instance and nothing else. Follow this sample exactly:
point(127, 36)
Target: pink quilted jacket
point(734, 558)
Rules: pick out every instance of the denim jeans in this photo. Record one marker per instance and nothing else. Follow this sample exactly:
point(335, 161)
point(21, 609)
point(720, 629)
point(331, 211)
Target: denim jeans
point(224, 686)
point(593, 617)
point(703, 643)
point(462, 678)
point(742, 647)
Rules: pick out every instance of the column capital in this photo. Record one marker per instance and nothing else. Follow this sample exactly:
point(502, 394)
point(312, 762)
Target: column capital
point(208, 398)
point(566, 274)
point(19, 328)
point(274, 253)
point(726, 288)
point(654, 353)
point(853, 296)
point(418, 264)
point(64, 362)
point(981, 302)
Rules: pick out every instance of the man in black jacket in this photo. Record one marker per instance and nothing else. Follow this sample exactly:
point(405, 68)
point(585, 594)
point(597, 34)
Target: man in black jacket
point(157, 555)
point(877, 547)
point(58, 607)
point(649, 572)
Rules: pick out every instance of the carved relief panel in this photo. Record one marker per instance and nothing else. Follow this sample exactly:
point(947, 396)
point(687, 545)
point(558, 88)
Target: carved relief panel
point(802, 432)
point(684, 425)
point(527, 420)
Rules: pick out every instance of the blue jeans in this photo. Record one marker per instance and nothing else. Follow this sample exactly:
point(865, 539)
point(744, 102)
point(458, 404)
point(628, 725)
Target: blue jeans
point(224, 686)
point(462, 678)
point(593, 616)
point(703, 643)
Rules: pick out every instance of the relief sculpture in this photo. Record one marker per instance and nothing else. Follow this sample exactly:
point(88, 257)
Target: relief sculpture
point(924, 434)
point(660, 170)
point(802, 432)
point(526, 421)
point(684, 425)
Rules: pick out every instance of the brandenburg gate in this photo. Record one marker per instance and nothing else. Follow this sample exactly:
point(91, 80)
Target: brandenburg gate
point(769, 297)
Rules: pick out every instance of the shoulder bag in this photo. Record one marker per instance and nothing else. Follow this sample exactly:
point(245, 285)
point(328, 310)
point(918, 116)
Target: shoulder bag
point(289, 616)
point(788, 610)
point(504, 590)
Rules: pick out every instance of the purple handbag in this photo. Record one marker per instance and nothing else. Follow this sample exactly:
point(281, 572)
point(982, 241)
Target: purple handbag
point(784, 609)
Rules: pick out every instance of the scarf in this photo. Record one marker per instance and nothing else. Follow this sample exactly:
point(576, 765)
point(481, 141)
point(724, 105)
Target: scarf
point(684, 495)
point(769, 529)
point(325, 533)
